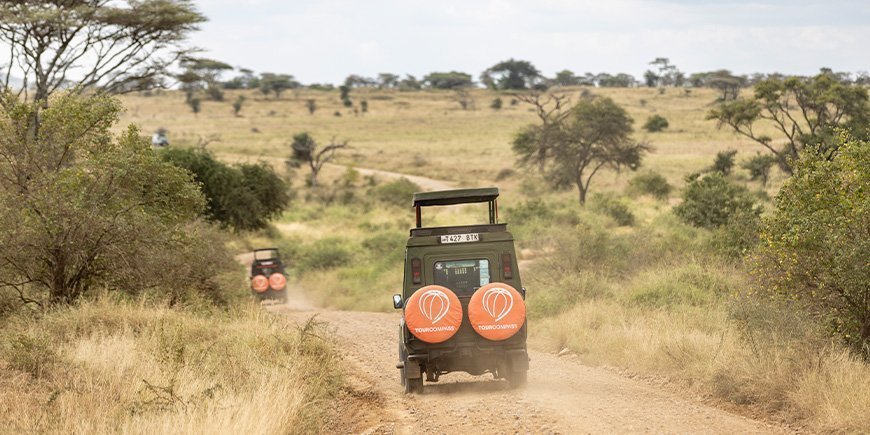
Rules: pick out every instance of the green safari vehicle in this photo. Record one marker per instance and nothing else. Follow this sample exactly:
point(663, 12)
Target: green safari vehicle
point(462, 299)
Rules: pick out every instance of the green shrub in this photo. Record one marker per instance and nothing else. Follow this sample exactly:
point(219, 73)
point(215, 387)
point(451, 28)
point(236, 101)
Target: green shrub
point(528, 211)
point(327, 253)
point(709, 202)
point(245, 197)
point(655, 123)
point(687, 285)
point(385, 245)
point(496, 104)
point(650, 183)
point(724, 162)
point(759, 167)
point(613, 207)
point(397, 193)
point(739, 235)
point(817, 241)
point(31, 353)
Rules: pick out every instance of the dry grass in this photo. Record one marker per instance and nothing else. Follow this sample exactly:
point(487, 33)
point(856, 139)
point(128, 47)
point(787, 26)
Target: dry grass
point(109, 367)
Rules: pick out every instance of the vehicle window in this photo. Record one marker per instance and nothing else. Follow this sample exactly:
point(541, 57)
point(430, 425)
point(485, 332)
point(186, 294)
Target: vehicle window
point(462, 276)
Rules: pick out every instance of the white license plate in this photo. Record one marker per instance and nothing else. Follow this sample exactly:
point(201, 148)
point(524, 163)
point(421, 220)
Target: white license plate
point(461, 238)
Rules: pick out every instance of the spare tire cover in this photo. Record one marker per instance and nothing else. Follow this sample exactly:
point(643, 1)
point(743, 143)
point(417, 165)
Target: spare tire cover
point(433, 314)
point(277, 281)
point(497, 311)
point(259, 283)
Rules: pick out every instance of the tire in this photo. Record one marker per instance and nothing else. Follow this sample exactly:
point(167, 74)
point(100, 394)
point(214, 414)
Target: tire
point(413, 386)
point(517, 379)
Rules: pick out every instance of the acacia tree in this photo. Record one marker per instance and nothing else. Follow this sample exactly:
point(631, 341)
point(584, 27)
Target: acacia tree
point(95, 45)
point(806, 112)
point(305, 151)
point(511, 74)
point(532, 144)
point(594, 134)
point(277, 83)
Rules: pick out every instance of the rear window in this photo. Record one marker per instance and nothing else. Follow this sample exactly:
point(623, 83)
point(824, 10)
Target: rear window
point(462, 276)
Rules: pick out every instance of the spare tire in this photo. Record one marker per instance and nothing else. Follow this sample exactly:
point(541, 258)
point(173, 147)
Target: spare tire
point(433, 314)
point(277, 281)
point(496, 311)
point(259, 283)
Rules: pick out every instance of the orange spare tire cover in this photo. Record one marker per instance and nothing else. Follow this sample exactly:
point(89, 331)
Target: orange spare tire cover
point(259, 283)
point(496, 311)
point(433, 314)
point(277, 281)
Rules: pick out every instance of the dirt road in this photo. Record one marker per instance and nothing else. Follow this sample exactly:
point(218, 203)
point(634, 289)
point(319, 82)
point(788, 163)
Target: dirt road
point(563, 396)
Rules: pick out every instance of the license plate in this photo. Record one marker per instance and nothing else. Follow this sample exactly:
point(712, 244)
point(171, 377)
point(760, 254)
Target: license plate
point(461, 238)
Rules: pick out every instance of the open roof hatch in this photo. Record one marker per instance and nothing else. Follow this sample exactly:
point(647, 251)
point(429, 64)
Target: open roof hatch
point(457, 196)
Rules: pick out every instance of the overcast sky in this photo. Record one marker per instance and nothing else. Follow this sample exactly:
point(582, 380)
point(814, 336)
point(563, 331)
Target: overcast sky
point(326, 40)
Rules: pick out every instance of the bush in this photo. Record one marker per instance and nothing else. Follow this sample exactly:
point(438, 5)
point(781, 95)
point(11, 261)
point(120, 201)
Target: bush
point(817, 241)
point(397, 193)
point(709, 202)
point(496, 104)
point(615, 208)
point(655, 123)
point(759, 167)
point(650, 183)
point(327, 253)
point(724, 162)
point(739, 235)
point(245, 197)
point(528, 211)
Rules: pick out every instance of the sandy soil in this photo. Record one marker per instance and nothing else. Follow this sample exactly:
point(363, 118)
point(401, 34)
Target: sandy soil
point(562, 395)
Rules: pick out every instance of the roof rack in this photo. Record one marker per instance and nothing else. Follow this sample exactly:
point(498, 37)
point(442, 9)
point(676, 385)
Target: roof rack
point(457, 196)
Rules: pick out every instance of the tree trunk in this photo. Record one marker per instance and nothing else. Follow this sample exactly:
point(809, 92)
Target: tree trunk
point(582, 190)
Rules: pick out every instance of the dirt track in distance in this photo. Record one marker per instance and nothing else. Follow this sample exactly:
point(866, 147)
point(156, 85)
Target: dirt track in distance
point(562, 396)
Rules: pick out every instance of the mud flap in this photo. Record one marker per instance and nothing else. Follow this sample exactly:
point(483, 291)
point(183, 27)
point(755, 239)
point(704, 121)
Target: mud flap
point(412, 370)
point(518, 360)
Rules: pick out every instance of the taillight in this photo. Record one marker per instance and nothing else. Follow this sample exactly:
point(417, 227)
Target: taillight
point(416, 271)
point(507, 268)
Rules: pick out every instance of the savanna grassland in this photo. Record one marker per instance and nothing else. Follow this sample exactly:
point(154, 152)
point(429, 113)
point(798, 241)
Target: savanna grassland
point(620, 282)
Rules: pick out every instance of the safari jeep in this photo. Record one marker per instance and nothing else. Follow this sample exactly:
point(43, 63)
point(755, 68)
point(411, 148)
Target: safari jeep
point(462, 300)
point(268, 278)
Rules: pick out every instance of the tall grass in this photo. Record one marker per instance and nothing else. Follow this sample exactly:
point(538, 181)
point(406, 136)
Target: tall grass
point(657, 300)
point(112, 366)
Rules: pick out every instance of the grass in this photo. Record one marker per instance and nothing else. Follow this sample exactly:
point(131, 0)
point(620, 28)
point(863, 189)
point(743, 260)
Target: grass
point(621, 283)
point(111, 366)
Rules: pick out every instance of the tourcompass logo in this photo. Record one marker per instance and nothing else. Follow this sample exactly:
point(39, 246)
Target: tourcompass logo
point(498, 302)
point(434, 304)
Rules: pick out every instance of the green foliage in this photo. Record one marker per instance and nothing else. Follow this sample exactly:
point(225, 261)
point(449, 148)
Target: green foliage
point(311, 105)
point(690, 285)
point(277, 83)
point(195, 104)
point(739, 236)
point(759, 167)
point(448, 80)
point(397, 193)
point(724, 162)
point(711, 201)
point(245, 197)
point(82, 208)
point(237, 105)
point(655, 123)
point(613, 207)
point(571, 149)
point(816, 244)
point(511, 74)
point(327, 253)
point(30, 352)
point(806, 112)
point(496, 104)
point(650, 183)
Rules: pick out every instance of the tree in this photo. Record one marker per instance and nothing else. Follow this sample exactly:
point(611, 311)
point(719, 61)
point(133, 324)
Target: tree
point(409, 83)
point(387, 81)
point(805, 111)
point(566, 78)
point(668, 74)
point(724, 162)
point(203, 73)
point(759, 167)
point(344, 90)
point(594, 134)
point(621, 80)
point(448, 80)
point(311, 105)
point(464, 98)
point(533, 143)
point(816, 243)
point(82, 208)
point(244, 197)
point(655, 123)
point(93, 45)
point(511, 74)
point(305, 152)
point(277, 83)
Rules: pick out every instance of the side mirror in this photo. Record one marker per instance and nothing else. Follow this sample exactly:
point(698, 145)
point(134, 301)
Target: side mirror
point(398, 302)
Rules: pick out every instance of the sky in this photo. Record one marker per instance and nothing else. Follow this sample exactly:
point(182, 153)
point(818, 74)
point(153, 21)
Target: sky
point(326, 40)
